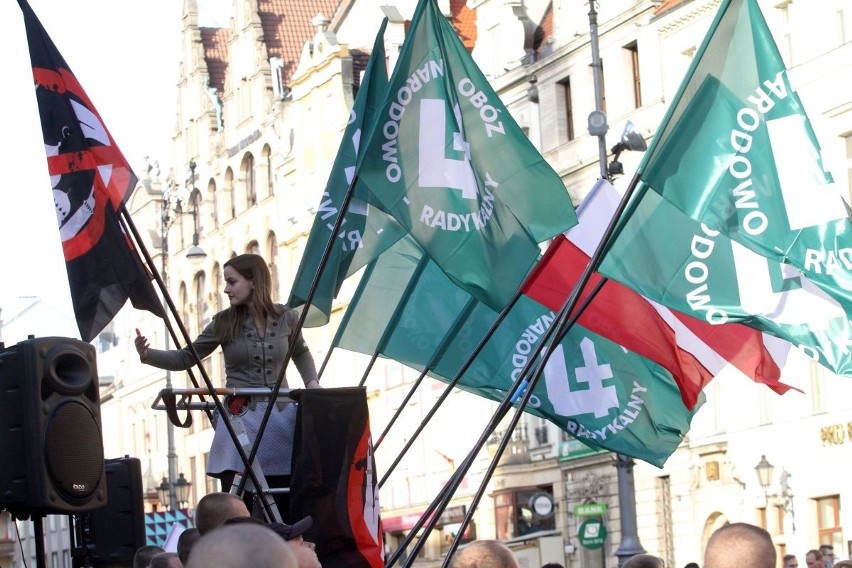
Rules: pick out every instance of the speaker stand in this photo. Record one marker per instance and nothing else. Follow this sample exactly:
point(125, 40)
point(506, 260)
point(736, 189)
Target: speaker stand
point(81, 541)
point(38, 521)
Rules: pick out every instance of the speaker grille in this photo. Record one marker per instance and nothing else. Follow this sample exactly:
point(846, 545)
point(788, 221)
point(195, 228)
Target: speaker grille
point(74, 459)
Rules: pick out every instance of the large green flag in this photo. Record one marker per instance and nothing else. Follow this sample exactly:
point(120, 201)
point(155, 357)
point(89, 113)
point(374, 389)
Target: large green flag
point(736, 153)
point(366, 231)
point(447, 160)
point(606, 397)
point(692, 273)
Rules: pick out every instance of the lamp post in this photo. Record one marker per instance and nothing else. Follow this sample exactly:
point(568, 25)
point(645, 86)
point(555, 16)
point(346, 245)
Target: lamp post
point(171, 207)
point(764, 471)
point(597, 124)
point(174, 495)
point(195, 252)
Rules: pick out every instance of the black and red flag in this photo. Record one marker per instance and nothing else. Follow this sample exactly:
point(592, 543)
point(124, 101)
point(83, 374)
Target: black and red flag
point(334, 477)
point(91, 180)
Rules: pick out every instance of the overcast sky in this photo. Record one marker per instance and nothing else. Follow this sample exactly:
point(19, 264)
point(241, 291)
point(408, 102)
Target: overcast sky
point(125, 56)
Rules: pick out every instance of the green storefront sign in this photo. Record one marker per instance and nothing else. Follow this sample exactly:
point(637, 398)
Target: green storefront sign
point(590, 510)
point(572, 449)
point(592, 533)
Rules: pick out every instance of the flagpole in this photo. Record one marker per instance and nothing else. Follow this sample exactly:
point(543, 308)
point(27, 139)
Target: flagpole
point(518, 387)
point(563, 325)
point(449, 387)
point(325, 361)
point(436, 356)
point(629, 544)
point(367, 370)
point(597, 120)
point(528, 388)
point(130, 226)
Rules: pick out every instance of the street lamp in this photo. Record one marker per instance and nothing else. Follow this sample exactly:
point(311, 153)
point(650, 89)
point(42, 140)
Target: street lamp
point(174, 495)
point(164, 492)
point(171, 207)
point(182, 487)
point(632, 140)
point(784, 499)
point(195, 252)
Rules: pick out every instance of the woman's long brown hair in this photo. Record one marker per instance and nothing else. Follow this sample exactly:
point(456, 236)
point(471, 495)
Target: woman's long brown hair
point(229, 322)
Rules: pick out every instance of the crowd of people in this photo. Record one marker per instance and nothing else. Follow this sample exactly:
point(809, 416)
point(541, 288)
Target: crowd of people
point(742, 544)
point(227, 536)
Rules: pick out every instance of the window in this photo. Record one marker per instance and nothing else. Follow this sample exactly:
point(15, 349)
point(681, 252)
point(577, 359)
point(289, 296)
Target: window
point(828, 521)
point(633, 54)
point(818, 402)
point(251, 183)
point(848, 140)
point(514, 514)
point(785, 44)
point(276, 65)
point(272, 255)
point(229, 208)
point(567, 108)
point(267, 162)
point(211, 190)
point(201, 308)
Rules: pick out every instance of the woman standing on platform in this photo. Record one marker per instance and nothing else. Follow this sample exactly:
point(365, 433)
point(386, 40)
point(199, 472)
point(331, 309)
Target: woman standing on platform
point(254, 334)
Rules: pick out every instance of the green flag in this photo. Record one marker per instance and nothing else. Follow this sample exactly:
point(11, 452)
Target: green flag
point(447, 160)
point(678, 262)
point(606, 397)
point(768, 238)
point(366, 231)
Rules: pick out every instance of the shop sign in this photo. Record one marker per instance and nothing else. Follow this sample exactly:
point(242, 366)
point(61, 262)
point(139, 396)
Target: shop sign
point(592, 534)
point(590, 510)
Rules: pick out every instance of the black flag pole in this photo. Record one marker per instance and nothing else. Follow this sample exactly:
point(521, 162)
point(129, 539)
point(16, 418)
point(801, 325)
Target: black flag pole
point(564, 325)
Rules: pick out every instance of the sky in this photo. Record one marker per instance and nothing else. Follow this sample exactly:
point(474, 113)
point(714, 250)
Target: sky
point(125, 55)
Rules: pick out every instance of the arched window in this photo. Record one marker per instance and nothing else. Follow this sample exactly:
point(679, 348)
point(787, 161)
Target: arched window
point(229, 206)
point(247, 170)
point(183, 304)
point(216, 288)
point(267, 161)
point(272, 258)
point(202, 308)
point(214, 202)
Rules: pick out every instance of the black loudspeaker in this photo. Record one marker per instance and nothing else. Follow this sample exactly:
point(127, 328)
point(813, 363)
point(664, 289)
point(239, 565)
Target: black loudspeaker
point(118, 530)
point(51, 449)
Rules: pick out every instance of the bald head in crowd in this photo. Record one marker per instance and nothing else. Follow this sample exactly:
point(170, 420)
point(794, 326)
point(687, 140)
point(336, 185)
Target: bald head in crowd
point(644, 561)
point(485, 554)
point(738, 545)
point(241, 545)
point(216, 508)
